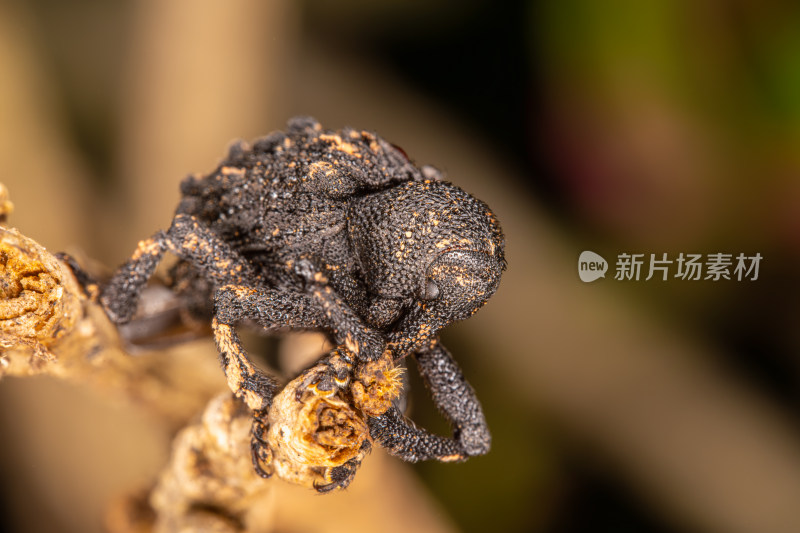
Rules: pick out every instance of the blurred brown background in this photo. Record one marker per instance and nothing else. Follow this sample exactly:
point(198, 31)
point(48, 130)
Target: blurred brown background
point(618, 126)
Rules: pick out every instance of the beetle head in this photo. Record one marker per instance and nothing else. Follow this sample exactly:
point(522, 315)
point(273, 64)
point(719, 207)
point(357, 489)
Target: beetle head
point(431, 242)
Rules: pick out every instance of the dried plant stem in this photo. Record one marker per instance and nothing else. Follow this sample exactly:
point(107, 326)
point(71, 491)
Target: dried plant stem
point(49, 326)
point(210, 483)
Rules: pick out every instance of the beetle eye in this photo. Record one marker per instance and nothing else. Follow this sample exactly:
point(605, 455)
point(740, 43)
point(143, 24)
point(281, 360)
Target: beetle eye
point(431, 291)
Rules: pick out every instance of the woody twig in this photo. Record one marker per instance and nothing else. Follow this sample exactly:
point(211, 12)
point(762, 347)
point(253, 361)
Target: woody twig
point(49, 326)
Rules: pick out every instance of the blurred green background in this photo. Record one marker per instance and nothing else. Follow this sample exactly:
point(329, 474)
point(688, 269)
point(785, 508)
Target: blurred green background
point(617, 126)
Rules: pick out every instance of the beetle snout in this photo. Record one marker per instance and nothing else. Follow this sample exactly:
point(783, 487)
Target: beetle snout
point(459, 282)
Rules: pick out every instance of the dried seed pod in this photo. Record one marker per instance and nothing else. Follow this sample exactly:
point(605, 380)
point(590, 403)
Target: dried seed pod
point(39, 300)
point(311, 434)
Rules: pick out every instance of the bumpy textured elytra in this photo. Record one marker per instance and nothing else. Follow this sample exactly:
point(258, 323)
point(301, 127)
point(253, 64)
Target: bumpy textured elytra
point(340, 232)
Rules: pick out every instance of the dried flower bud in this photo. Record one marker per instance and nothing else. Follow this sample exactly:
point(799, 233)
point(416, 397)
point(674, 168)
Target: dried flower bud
point(310, 434)
point(39, 300)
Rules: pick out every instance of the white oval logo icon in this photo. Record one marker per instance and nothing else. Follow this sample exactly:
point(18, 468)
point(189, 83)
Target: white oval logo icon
point(591, 266)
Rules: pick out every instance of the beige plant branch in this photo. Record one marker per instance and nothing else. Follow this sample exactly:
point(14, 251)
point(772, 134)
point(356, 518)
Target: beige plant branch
point(210, 469)
point(48, 325)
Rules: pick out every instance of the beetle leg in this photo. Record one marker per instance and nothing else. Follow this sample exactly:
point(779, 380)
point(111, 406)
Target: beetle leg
point(86, 281)
point(245, 380)
point(272, 310)
point(339, 477)
point(348, 329)
point(216, 259)
point(332, 373)
point(456, 400)
point(187, 239)
point(120, 296)
point(260, 452)
point(414, 332)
